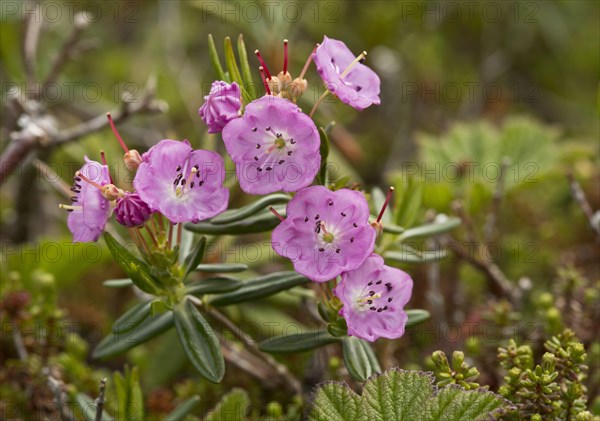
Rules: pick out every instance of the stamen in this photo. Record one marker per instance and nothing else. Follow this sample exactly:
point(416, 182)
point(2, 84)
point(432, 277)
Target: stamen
point(272, 209)
point(264, 80)
point(116, 133)
point(285, 55)
point(323, 227)
point(385, 204)
point(263, 64)
point(70, 208)
point(357, 60)
point(103, 157)
point(87, 180)
point(310, 57)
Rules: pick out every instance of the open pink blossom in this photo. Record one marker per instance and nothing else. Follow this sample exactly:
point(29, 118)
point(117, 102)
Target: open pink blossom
point(345, 76)
point(90, 209)
point(183, 184)
point(325, 233)
point(275, 146)
point(374, 296)
point(221, 105)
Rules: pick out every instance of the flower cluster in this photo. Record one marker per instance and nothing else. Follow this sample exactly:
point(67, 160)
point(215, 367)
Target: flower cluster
point(275, 147)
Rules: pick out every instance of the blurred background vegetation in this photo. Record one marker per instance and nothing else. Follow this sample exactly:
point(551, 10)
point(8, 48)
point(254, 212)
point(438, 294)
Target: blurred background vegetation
point(467, 88)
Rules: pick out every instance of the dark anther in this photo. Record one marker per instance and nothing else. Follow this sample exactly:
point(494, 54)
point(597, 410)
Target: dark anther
point(321, 249)
point(289, 153)
point(268, 128)
point(352, 240)
point(343, 214)
point(281, 161)
point(317, 217)
point(278, 135)
point(192, 185)
point(259, 169)
point(389, 287)
point(379, 310)
point(389, 299)
point(370, 283)
point(258, 146)
point(198, 174)
point(358, 88)
point(354, 225)
point(77, 179)
point(371, 293)
point(372, 308)
point(178, 168)
point(256, 158)
point(201, 182)
point(385, 307)
point(74, 199)
point(254, 129)
point(269, 168)
point(330, 203)
point(378, 283)
point(306, 219)
point(183, 182)
point(369, 301)
point(337, 250)
point(292, 141)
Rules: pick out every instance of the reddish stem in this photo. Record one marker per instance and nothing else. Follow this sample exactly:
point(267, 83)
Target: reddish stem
point(116, 133)
point(262, 76)
point(385, 204)
point(272, 209)
point(285, 56)
point(263, 64)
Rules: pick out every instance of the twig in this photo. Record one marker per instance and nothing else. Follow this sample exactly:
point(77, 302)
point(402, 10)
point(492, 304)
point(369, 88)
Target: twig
point(30, 44)
point(59, 395)
point(579, 196)
point(100, 400)
point(18, 341)
point(67, 51)
point(282, 370)
point(492, 216)
point(26, 140)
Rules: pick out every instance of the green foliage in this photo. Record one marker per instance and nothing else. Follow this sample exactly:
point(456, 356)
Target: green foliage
point(130, 403)
point(359, 358)
point(460, 373)
point(298, 342)
point(402, 395)
point(199, 341)
point(233, 407)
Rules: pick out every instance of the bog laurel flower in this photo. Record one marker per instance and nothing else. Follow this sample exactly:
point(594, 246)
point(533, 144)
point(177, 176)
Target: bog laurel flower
point(345, 76)
point(325, 232)
point(221, 105)
point(131, 210)
point(373, 297)
point(275, 147)
point(91, 208)
point(183, 184)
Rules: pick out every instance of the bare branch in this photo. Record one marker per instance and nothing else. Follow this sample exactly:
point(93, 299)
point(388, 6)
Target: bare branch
point(579, 196)
point(30, 44)
point(100, 400)
point(492, 216)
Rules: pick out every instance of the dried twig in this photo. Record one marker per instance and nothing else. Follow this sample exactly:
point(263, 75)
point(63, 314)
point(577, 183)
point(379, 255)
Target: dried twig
point(579, 196)
point(492, 216)
point(100, 400)
point(59, 396)
point(282, 370)
point(33, 28)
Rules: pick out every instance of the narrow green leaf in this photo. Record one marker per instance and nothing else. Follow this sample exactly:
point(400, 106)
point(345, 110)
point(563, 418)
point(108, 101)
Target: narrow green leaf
point(193, 259)
point(416, 316)
point(138, 271)
point(359, 358)
point(233, 407)
point(130, 403)
point(183, 409)
point(260, 287)
point(428, 230)
point(260, 222)
point(222, 267)
point(298, 342)
point(261, 204)
point(88, 406)
point(392, 228)
point(213, 286)
point(231, 63)
point(115, 344)
point(214, 59)
point(409, 197)
point(324, 152)
point(406, 256)
point(132, 318)
point(199, 341)
point(117, 283)
point(245, 65)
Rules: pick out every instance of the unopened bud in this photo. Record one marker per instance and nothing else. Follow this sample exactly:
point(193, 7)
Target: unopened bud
point(274, 85)
point(111, 192)
point(297, 88)
point(378, 226)
point(132, 159)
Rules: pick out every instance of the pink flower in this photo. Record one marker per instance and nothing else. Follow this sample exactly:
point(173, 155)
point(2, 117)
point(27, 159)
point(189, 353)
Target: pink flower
point(374, 296)
point(275, 146)
point(221, 105)
point(90, 210)
point(345, 76)
point(183, 184)
point(325, 233)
